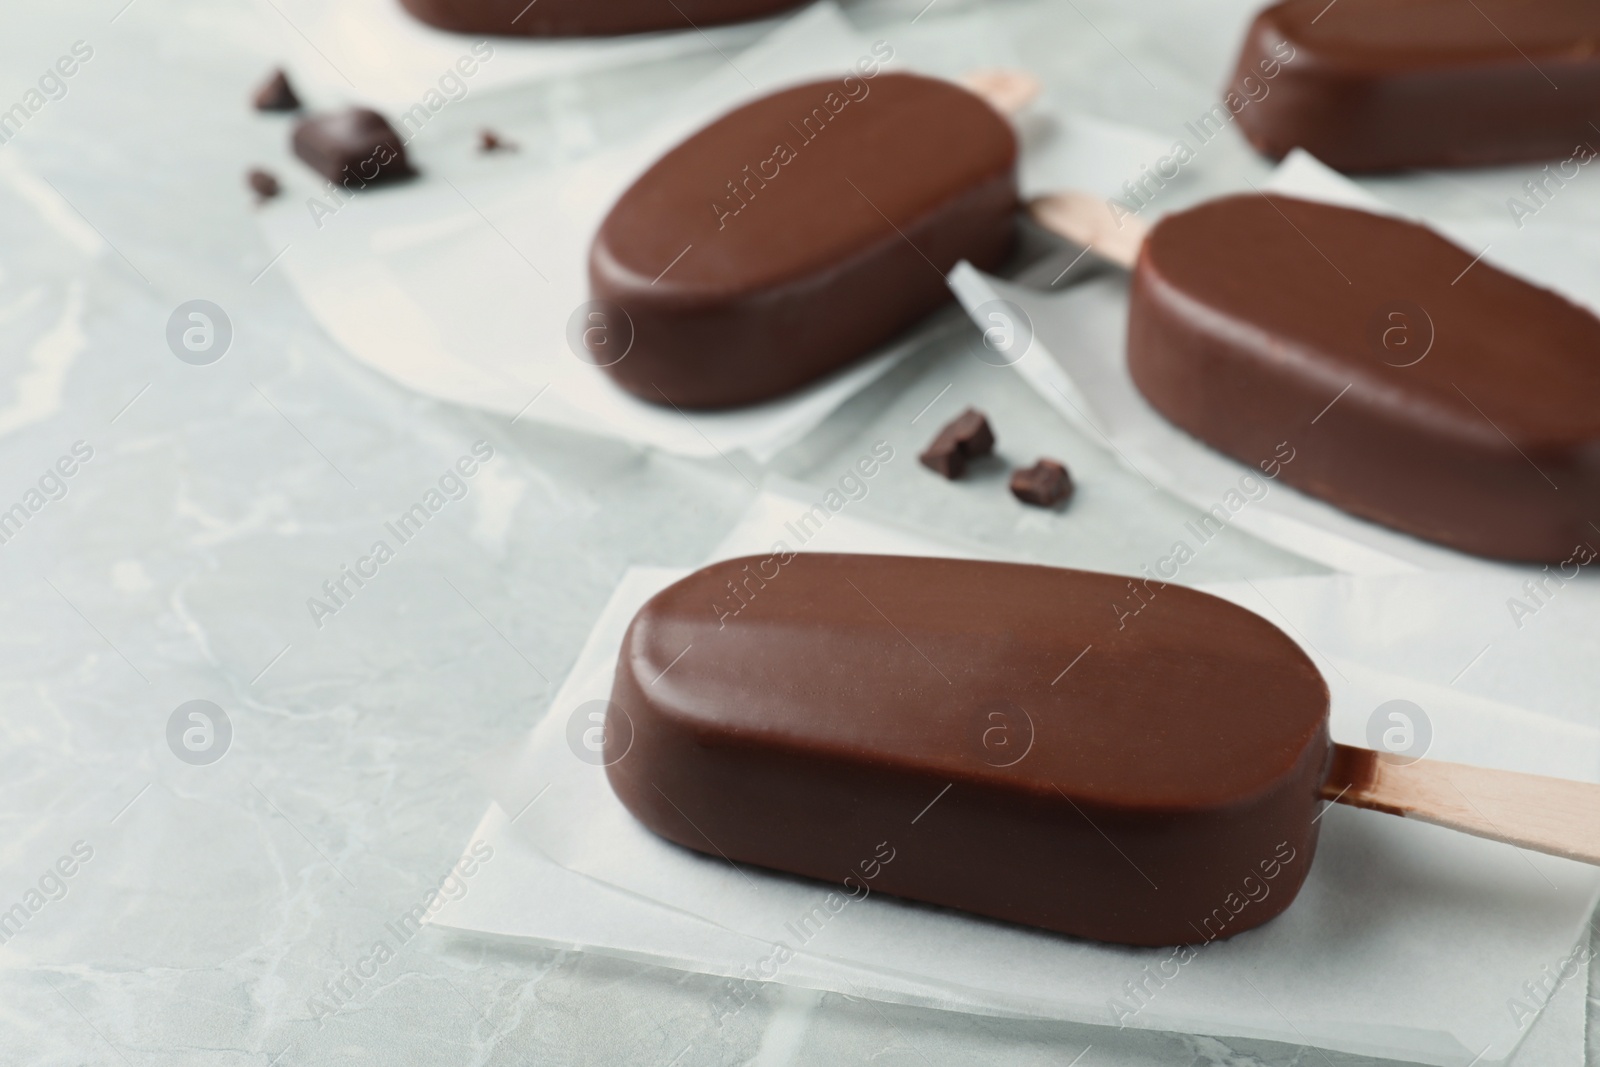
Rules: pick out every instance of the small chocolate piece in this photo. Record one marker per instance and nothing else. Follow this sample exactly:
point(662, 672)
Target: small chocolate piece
point(966, 437)
point(353, 148)
point(264, 184)
point(276, 94)
point(1370, 362)
point(1045, 484)
point(585, 18)
point(489, 141)
point(1376, 85)
point(798, 233)
point(837, 697)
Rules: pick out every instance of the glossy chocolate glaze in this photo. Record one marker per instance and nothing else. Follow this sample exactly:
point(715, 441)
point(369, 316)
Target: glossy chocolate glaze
point(1384, 84)
point(586, 18)
point(1136, 798)
point(1250, 315)
point(746, 277)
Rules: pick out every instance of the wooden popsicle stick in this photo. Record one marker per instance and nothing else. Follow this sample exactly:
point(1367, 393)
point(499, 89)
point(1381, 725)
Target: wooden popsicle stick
point(1088, 220)
point(1007, 91)
point(1551, 815)
point(1081, 218)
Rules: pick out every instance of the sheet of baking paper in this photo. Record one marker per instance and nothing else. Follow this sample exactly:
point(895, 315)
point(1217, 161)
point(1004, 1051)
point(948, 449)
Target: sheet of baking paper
point(1484, 633)
point(1076, 361)
point(372, 51)
point(1420, 937)
point(470, 288)
point(522, 896)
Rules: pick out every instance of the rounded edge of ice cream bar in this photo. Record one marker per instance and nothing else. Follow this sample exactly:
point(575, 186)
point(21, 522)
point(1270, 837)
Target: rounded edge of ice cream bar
point(666, 746)
point(705, 344)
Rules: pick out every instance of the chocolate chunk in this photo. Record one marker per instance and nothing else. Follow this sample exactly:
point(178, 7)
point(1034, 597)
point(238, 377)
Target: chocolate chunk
point(1045, 484)
point(824, 707)
point(276, 94)
point(353, 148)
point(264, 184)
point(800, 232)
point(489, 141)
point(965, 438)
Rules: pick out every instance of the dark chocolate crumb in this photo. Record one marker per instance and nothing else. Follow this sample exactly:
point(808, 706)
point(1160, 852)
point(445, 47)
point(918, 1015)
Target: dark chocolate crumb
point(353, 148)
point(965, 438)
point(489, 141)
point(264, 184)
point(276, 94)
point(1045, 484)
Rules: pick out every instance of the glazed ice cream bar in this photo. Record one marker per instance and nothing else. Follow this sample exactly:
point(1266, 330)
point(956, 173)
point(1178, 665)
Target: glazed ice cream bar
point(1024, 752)
point(1372, 85)
point(586, 18)
point(799, 232)
point(1120, 760)
point(1418, 386)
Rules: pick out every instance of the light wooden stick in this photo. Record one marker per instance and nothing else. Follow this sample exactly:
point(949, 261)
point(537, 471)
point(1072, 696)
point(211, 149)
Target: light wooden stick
point(1550, 815)
point(1092, 222)
point(1079, 217)
point(1007, 91)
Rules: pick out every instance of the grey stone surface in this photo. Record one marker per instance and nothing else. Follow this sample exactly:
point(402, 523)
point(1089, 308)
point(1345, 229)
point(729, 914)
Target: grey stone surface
point(217, 899)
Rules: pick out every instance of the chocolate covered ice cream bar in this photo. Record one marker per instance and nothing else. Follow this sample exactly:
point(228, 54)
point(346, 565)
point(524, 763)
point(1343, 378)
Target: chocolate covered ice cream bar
point(1015, 741)
point(1373, 85)
point(800, 232)
point(1416, 385)
point(586, 18)
point(829, 703)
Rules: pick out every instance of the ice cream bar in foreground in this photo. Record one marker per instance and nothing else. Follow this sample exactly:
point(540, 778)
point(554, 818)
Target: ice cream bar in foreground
point(1113, 758)
point(1372, 85)
point(1414, 384)
point(798, 233)
point(1018, 747)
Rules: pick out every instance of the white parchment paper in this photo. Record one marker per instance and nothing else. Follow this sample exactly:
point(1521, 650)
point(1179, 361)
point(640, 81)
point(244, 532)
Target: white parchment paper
point(524, 897)
point(1407, 941)
point(464, 290)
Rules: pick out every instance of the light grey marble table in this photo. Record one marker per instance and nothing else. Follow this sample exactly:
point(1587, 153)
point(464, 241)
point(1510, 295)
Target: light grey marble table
point(208, 903)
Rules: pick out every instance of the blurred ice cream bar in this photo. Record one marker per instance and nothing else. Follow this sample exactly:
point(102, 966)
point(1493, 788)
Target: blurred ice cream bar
point(586, 18)
point(801, 231)
point(1372, 363)
point(1374, 85)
